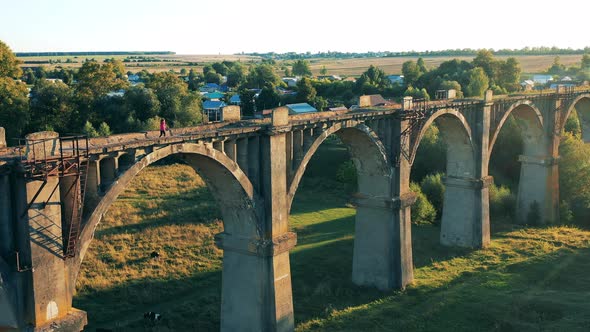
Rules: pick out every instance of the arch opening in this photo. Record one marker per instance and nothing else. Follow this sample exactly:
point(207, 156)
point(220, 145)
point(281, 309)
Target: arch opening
point(522, 163)
point(170, 201)
point(324, 217)
point(455, 192)
point(577, 119)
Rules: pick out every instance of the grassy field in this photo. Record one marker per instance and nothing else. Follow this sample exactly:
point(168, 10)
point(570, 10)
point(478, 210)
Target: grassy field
point(529, 279)
point(348, 67)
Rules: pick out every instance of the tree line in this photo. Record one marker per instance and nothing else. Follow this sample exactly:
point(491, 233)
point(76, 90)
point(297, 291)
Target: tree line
point(542, 50)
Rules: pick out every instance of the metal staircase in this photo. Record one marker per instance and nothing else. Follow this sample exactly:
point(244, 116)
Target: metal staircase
point(61, 157)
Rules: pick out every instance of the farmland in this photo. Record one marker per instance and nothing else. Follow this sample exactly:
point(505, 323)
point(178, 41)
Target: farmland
point(344, 67)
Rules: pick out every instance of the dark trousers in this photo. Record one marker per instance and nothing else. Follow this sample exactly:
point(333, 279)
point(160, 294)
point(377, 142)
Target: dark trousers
point(162, 133)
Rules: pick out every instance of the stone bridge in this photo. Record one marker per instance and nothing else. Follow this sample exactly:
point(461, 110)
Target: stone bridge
point(253, 168)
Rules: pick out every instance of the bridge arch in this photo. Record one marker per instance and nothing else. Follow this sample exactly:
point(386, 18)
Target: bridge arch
point(536, 198)
point(228, 184)
point(530, 119)
point(582, 106)
point(461, 223)
point(367, 152)
point(374, 261)
point(457, 135)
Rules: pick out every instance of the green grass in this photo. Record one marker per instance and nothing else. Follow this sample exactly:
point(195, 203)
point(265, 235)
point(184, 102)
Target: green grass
point(529, 279)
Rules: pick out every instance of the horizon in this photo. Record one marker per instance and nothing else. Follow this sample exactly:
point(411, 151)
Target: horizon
point(263, 26)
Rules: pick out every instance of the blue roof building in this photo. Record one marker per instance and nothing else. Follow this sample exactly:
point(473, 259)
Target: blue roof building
point(300, 108)
point(235, 100)
point(213, 95)
point(212, 108)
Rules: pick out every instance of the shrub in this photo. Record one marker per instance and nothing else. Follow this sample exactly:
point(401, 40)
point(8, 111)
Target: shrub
point(346, 173)
point(502, 202)
point(433, 187)
point(422, 210)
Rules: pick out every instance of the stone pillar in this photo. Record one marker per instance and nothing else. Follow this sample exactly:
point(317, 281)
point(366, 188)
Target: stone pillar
point(6, 216)
point(229, 147)
point(538, 183)
point(108, 171)
point(242, 152)
point(2, 138)
point(464, 220)
point(218, 145)
point(254, 162)
point(50, 299)
point(256, 283)
point(297, 148)
point(91, 197)
point(382, 254)
point(383, 239)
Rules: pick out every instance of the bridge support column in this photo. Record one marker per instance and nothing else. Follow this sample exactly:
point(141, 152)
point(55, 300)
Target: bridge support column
point(256, 294)
point(256, 283)
point(465, 219)
point(108, 171)
point(49, 298)
point(382, 255)
point(538, 190)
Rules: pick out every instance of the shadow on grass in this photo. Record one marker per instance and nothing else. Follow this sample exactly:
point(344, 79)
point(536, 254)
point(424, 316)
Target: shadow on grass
point(548, 292)
point(188, 304)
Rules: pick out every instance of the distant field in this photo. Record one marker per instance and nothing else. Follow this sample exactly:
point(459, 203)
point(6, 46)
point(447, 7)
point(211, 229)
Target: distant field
point(348, 67)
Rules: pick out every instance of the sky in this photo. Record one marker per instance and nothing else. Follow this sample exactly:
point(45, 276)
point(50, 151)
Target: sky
point(234, 26)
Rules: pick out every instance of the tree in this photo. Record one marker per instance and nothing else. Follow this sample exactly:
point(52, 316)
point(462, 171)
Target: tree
point(448, 85)
point(301, 68)
point(8, 62)
point(268, 98)
point(95, 80)
point(51, 106)
point(585, 61)
point(178, 105)
point(247, 101)
point(213, 77)
point(478, 83)
point(305, 90)
point(236, 75)
point(485, 60)
point(421, 65)
point(323, 71)
point(556, 68)
point(14, 107)
point(261, 75)
point(220, 68)
point(411, 72)
point(141, 103)
point(508, 75)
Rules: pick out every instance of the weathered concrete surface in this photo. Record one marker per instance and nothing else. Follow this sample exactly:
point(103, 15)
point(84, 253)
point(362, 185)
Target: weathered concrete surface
point(74, 321)
point(2, 137)
point(231, 113)
point(8, 303)
point(41, 145)
point(462, 222)
point(51, 298)
point(536, 189)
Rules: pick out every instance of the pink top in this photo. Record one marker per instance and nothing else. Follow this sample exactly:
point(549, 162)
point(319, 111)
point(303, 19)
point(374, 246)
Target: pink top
point(163, 125)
